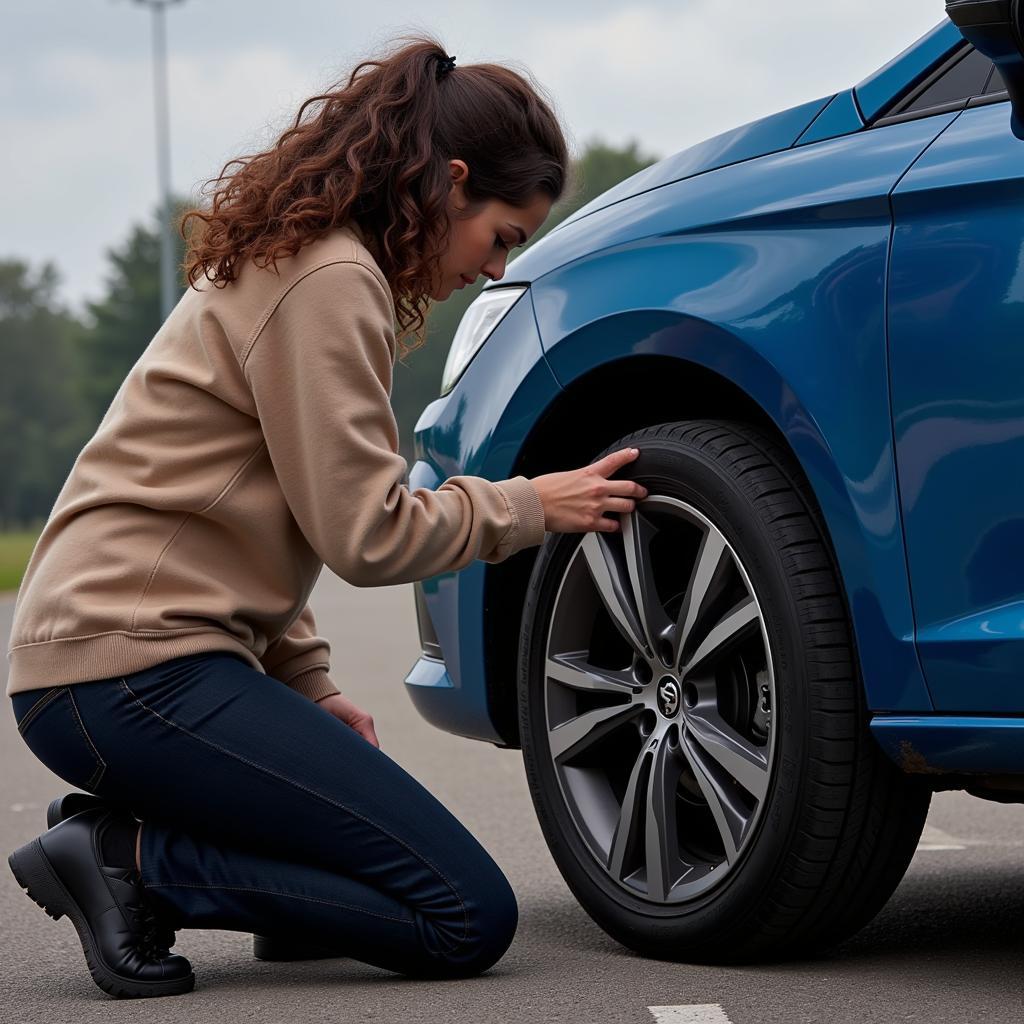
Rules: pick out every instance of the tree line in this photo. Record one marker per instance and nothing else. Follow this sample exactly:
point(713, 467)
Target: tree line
point(62, 368)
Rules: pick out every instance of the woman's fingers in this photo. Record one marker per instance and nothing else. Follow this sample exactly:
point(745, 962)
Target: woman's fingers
point(614, 460)
point(619, 504)
point(575, 501)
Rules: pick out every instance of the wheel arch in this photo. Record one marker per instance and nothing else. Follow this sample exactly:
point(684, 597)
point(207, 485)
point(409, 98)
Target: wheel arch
point(620, 396)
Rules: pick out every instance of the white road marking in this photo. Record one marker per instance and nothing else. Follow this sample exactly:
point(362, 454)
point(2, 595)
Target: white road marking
point(695, 1013)
point(933, 838)
point(24, 807)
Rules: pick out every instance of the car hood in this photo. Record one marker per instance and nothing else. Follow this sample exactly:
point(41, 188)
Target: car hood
point(757, 138)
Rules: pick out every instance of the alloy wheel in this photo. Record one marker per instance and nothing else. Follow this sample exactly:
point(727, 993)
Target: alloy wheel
point(660, 700)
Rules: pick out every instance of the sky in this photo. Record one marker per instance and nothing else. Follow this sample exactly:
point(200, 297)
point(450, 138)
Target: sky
point(78, 168)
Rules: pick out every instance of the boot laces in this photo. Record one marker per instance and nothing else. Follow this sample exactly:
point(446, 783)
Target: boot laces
point(147, 920)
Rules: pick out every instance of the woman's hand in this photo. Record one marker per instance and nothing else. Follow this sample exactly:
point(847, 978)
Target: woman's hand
point(341, 707)
point(575, 501)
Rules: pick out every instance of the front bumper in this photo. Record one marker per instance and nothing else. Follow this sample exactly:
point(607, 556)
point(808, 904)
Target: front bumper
point(478, 428)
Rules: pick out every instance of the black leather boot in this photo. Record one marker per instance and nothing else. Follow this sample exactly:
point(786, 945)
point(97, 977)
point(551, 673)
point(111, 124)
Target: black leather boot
point(63, 807)
point(71, 803)
point(264, 947)
point(63, 870)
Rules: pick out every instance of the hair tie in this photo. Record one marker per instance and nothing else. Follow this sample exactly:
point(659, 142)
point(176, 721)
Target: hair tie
point(444, 65)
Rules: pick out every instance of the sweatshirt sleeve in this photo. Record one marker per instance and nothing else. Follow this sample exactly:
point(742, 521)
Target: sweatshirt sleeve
point(320, 370)
point(301, 659)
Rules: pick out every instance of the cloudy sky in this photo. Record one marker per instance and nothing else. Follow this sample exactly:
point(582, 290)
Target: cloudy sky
point(76, 103)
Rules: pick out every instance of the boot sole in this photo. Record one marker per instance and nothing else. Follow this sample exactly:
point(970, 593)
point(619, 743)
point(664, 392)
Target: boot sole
point(35, 874)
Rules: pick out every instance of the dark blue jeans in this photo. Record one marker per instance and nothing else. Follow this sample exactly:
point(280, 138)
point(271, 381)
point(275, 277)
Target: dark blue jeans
point(265, 813)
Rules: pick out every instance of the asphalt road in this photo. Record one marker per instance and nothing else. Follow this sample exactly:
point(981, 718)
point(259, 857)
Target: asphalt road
point(948, 946)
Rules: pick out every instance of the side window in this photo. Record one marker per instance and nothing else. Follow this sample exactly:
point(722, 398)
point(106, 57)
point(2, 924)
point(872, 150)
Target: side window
point(966, 78)
point(995, 83)
point(964, 75)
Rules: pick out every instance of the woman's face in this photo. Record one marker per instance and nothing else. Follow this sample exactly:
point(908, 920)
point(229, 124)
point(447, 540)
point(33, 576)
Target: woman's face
point(482, 237)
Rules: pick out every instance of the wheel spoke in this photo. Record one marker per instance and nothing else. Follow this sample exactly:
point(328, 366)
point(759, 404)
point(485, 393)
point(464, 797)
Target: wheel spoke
point(718, 802)
point(637, 533)
point(663, 864)
point(574, 736)
point(747, 764)
point(724, 633)
point(648, 816)
point(631, 809)
point(712, 550)
point(614, 587)
point(572, 669)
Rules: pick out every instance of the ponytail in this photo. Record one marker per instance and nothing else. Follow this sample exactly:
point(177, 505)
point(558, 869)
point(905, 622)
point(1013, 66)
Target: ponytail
point(376, 149)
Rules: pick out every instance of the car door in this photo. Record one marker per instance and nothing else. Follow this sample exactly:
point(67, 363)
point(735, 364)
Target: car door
point(956, 344)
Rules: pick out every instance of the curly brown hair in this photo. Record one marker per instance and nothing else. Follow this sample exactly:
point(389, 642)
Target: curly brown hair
point(376, 149)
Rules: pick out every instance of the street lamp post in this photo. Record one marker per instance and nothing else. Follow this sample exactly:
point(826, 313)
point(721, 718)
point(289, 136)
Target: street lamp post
point(163, 150)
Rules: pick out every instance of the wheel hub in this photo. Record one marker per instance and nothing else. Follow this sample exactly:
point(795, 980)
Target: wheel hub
point(668, 696)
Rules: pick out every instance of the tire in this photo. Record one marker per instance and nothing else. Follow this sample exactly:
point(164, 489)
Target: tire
point(737, 810)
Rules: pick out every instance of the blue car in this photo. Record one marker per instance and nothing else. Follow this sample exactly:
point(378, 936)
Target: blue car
point(733, 711)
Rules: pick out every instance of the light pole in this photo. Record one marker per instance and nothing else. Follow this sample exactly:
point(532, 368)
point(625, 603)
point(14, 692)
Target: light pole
point(163, 150)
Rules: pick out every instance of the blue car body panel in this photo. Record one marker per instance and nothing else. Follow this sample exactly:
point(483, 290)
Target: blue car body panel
point(840, 116)
point(939, 744)
point(771, 273)
point(957, 327)
point(831, 272)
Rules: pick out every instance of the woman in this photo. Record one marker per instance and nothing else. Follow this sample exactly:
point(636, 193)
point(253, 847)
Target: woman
point(163, 655)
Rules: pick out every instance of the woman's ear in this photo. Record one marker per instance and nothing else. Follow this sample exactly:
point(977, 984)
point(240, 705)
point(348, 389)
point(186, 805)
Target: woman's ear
point(457, 193)
point(459, 170)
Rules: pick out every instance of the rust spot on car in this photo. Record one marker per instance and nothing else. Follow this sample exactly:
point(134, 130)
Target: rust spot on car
point(913, 761)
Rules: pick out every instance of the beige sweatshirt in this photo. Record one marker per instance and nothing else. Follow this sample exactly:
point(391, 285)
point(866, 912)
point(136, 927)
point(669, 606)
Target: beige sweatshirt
point(252, 443)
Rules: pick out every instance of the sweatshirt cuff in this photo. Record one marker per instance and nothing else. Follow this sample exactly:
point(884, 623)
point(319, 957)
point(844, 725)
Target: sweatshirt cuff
point(528, 512)
point(314, 683)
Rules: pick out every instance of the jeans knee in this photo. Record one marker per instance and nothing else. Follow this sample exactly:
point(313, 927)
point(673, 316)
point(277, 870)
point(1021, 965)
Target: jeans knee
point(492, 916)
point(497, 925)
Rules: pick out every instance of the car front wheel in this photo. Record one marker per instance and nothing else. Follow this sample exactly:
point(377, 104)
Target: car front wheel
point(692, 715)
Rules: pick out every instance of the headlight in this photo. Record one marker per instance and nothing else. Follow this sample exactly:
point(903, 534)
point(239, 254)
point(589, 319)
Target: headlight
point(483, 315)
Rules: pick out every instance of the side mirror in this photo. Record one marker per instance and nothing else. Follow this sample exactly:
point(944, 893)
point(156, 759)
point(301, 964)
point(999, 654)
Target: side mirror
point(996, 28)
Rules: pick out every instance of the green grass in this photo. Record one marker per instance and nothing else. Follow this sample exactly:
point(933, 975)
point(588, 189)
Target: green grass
point(15, 548)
